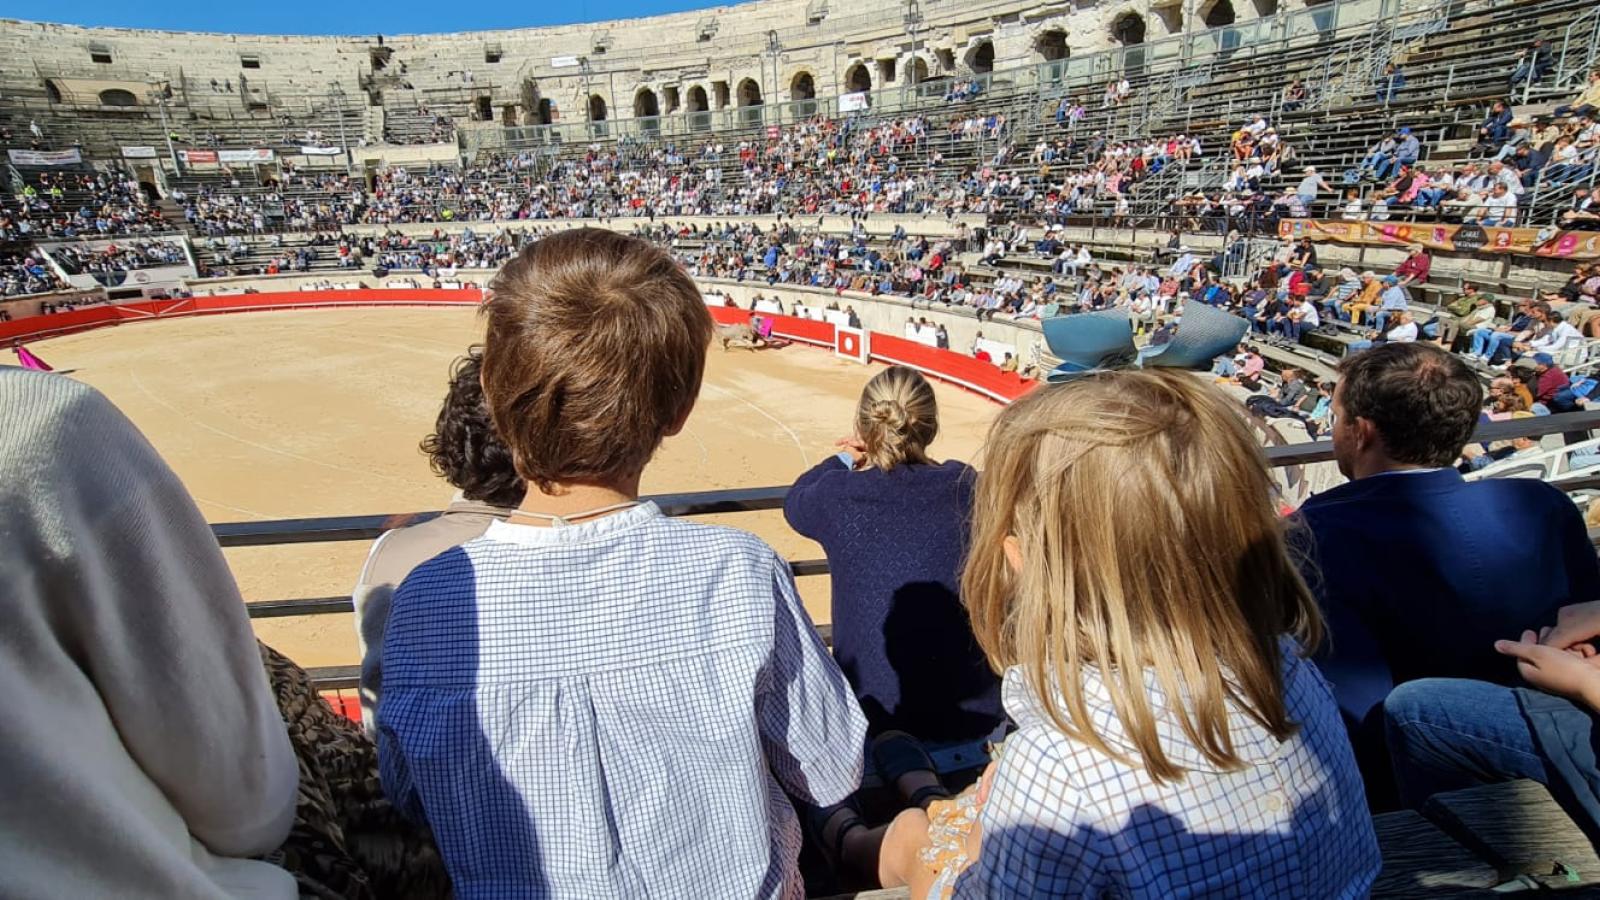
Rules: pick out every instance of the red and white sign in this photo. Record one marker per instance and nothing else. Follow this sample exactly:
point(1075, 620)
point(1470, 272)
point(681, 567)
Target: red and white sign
point(198, 156)
point(851, 343)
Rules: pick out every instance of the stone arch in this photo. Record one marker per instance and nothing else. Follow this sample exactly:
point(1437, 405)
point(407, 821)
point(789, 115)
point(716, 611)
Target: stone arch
point(118, 97)
point(1217, 15)
point(1051, 45)
point(802, 87)
point(645, 104)
point(858, 78)
point(697, 100)
point(1128, 29)
point(597, 108)
point(543, 116)
point(916, 70)
point(980, 58)
point(748, 93)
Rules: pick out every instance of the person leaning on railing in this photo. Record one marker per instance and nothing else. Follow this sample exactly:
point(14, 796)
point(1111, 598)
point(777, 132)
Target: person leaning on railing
point(464, 450)
point(593, 699)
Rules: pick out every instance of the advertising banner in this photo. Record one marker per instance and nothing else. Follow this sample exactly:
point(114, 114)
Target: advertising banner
point(198, 156)
point(855, 102)
point(1466, 238)
point(45, 157)
point(244, 156)
point(319, 151)
point(139, 153)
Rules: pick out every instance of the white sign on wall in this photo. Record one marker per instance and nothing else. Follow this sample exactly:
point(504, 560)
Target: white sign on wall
point(563, 62)
point(855, 102)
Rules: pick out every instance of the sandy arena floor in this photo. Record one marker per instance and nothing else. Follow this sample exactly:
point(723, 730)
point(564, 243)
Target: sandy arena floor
point(278, 415)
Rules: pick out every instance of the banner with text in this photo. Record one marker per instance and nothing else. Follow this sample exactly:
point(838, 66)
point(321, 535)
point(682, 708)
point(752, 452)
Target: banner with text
point(44, 157)
point(854, 102)
point(320, 151)
point(139, 153)
point(244, 156)
point(1466, 238)
point(198, 156)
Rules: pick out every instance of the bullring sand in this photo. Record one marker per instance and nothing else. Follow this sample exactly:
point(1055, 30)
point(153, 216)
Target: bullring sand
point(280, 415)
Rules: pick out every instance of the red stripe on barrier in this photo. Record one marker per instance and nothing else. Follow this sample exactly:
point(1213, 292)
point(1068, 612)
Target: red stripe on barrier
point(976, 375)
point(973, 374)
point(35, 328)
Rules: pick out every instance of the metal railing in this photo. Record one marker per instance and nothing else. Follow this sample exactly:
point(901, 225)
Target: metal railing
point(283, 532)
point(1168, 57)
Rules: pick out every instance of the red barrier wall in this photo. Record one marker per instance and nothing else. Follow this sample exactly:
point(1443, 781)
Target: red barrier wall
point(982, 377)
point(55, 325)
point(973, 374)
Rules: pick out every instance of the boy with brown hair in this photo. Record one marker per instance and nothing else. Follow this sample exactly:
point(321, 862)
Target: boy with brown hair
point(570, 699)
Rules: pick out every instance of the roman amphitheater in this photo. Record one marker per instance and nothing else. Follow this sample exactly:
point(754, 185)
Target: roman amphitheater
point(268, 251)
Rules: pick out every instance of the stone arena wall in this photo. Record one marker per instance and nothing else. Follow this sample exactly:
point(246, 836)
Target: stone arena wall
point(722, 54)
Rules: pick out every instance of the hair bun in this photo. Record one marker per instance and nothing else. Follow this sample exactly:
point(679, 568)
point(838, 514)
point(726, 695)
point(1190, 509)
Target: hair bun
point(890, 413)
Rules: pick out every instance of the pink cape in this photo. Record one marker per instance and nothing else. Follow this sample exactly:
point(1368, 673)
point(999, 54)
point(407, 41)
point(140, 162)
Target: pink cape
point(29, 361)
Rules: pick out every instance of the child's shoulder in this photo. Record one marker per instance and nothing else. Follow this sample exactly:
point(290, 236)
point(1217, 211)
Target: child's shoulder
point(720, 540)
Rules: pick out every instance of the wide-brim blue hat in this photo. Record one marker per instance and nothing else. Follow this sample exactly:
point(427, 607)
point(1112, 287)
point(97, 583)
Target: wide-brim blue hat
point(1097, 341)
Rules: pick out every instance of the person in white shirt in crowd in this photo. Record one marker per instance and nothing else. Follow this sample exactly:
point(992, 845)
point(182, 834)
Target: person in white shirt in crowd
point(1404, 332)
point(1499, 208)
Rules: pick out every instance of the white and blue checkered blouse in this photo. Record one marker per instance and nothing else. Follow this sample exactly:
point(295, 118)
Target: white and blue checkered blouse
point(1065, 820)
point(612, 709)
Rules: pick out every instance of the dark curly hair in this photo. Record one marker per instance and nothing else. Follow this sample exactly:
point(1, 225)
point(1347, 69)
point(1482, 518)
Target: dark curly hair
point(464, 449)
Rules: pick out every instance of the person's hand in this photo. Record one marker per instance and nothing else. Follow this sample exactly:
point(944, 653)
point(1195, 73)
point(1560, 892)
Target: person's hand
point(1576, 625)
point(853, 446)
point(1572, 674)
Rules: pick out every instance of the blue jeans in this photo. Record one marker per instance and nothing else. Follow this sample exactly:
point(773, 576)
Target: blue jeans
point(1381, 323)
point(1375, 160)
point(1358, 346)
point(1450, 733)
point(1488, 342)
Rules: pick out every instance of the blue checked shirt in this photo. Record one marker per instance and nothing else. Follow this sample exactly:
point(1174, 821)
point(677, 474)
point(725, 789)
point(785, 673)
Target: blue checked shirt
point(1065, 820)
point(612, 709)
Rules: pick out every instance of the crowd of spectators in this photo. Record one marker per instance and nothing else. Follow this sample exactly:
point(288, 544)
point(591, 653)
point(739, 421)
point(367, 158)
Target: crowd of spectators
point(78, 205)
point(27, 273)
point(118, 257)
point(1324, 676)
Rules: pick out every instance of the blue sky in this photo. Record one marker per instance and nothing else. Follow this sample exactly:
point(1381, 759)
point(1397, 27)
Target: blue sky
point(324, 17)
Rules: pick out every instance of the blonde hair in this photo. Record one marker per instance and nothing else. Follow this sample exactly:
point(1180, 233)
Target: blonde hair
point(1141, 505)
point(897, 418)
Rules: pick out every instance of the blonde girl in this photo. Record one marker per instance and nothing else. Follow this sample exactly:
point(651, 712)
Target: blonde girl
point(1129, 579)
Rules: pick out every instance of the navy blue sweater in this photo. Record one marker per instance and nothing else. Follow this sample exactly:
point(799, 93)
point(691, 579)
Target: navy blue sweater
point(1419, 574)
point(895, 541)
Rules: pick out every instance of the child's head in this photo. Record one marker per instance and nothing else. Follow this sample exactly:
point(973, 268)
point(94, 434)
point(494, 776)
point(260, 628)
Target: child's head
point(595, 349)
point(1123, 522)
point(897, 418)
point(463, 447)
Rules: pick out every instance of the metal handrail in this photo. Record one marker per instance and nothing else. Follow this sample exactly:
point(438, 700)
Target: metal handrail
point(701, 503)
point(352, 528)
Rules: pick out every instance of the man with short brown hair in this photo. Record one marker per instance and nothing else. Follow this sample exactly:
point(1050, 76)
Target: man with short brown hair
point(1407, 557)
